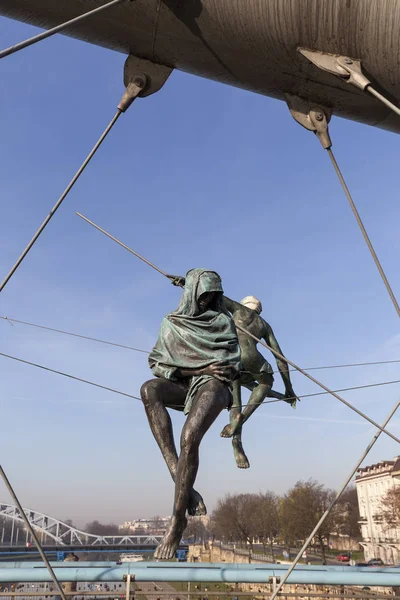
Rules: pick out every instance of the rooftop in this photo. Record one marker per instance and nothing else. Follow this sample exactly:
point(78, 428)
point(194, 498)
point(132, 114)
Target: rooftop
point(380, 468)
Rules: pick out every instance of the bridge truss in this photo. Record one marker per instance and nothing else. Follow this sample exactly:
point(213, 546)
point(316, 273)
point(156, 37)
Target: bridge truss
point(66, 535)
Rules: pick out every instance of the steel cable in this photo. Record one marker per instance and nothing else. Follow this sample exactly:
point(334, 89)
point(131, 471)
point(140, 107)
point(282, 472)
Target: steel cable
point(32, 532)
point(57, 29)
point(277, 354)
point(385, 101)
point(118, 345)
point(109, 389)
point(330, 508)
point(319, 383)
point(364, 231)
point(61, 199)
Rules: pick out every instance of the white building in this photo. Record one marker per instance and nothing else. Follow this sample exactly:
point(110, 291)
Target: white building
point(378, 538)
point(151, 526)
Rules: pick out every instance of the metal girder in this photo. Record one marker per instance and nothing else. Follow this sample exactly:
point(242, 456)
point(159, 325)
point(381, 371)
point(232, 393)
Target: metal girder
point(64, 535)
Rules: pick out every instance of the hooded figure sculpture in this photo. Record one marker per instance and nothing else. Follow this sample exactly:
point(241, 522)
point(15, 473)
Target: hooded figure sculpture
point(195, 360)
point(194, 338)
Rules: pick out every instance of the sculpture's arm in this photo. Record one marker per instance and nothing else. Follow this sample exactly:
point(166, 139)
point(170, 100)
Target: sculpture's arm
point(177, 280)
point(283, 367)
point(231, 305)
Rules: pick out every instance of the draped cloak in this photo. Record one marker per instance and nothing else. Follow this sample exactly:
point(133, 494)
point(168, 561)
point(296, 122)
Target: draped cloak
point(190, 339)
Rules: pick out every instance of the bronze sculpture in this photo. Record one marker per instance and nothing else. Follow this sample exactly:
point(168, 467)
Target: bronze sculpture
point(199, 358)
point(195, 360)
point(256, 374)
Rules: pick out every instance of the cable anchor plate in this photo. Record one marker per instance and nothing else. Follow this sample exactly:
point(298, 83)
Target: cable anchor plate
point(315, 118)
point(348, 69)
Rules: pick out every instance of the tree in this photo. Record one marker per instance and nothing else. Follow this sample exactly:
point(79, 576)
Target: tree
point(97, 528)
point(266, 517)
point(391, 507)
point(196, 531)
point(233, 519)
point(348, 514)
point(301, 509)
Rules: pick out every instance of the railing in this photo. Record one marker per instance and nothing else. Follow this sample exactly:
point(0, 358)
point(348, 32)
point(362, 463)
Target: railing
point(203, 572)
point(268, 558)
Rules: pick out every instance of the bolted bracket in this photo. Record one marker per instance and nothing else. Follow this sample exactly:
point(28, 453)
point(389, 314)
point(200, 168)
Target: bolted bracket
point(312, 117)
point(138, 68)
point(346, 68)
point(141, 78)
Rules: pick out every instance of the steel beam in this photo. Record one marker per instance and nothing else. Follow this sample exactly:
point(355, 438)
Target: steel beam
point(210, 572)
point(251, 44)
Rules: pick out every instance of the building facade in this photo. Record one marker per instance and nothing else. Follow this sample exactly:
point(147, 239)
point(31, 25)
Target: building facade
point(156, 526)
point(379, 539)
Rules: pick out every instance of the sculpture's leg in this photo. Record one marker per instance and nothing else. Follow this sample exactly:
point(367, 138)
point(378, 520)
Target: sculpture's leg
point(237, 418)
point(236, 410)
point(234, 418)
point(238, 451)
point(155, 394)
point(240, 456)
point(257, 397)
point(210, 400)
point(259, 393)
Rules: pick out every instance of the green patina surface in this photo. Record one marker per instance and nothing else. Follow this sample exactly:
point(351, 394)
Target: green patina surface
point(192, 339)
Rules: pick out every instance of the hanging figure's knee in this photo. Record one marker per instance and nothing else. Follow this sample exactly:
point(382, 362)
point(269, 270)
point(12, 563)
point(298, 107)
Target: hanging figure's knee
point(266, 379)
point(148, 391)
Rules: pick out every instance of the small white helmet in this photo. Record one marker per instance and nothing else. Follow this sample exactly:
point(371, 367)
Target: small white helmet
point(253, 303)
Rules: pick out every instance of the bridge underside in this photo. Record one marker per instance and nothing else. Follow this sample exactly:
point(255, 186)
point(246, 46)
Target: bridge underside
point(252, 44)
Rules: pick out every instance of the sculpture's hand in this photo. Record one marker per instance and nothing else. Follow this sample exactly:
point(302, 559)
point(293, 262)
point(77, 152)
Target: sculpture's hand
point(220, 370)
point(177, 280)
point(291, 397)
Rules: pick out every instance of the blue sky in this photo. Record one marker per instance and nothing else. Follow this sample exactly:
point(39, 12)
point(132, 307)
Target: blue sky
point(198, 175)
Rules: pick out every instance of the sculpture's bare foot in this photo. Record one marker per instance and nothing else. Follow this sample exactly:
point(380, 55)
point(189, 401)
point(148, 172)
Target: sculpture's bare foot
point(241, 459)
point(171, 540)
point(196, 506)
point(230, 430)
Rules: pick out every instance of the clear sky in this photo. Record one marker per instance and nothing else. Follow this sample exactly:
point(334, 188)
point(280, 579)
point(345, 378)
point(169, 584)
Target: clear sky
point(198, 175)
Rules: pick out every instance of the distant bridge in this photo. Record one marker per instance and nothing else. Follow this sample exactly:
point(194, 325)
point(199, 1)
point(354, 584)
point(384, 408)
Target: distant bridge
point(66, 535)
point(31, 553)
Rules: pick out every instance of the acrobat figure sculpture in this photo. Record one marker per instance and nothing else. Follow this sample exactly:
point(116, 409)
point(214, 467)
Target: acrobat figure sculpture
point(195, 360)
point(256, 374)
